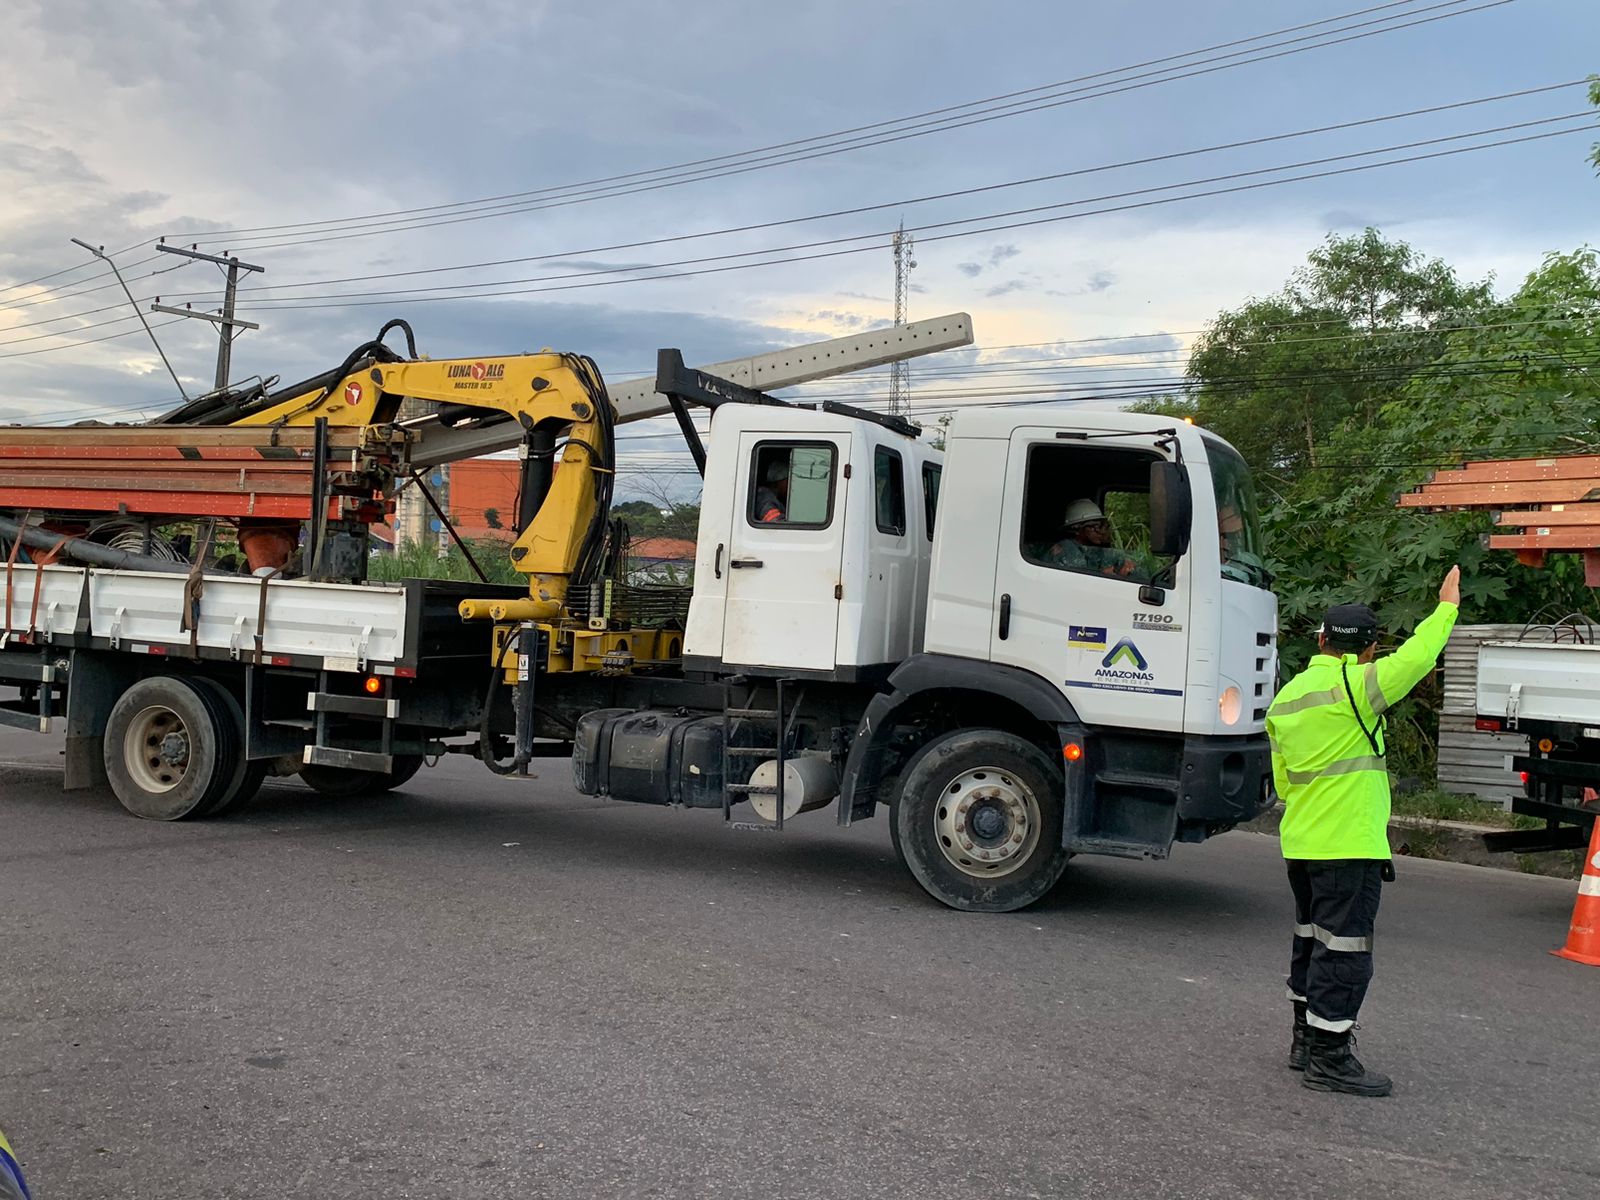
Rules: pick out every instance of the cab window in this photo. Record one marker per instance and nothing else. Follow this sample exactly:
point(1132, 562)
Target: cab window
point(889, 491)
point(930, 493)
point(1086, 509)
point(791, 484)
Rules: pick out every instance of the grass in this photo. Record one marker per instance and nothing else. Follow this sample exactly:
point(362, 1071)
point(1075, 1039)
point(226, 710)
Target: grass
point(1436, 804)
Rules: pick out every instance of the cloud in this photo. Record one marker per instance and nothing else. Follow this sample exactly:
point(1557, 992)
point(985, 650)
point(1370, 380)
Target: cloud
point(1009, 287)
point(125, 374)
point(1344, 218)
point(849, 322)
point(970, 269)
point(597, 265)
point(1100, 281)
point(1000, 253)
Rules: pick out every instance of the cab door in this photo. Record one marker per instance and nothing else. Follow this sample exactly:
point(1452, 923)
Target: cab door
point(1076, 616)
point(785, 551)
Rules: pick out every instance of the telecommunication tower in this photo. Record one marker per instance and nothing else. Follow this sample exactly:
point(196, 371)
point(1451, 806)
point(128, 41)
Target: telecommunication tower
point(899, 372)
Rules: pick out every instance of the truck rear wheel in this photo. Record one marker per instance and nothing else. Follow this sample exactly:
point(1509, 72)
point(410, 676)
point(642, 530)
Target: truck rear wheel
point(247, 776)
point(172, 749)
point(977, 821)
point(341, 782)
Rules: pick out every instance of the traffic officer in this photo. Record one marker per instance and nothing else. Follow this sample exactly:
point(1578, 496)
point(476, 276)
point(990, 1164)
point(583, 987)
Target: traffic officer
point(12, 1185)
point(1328, 759)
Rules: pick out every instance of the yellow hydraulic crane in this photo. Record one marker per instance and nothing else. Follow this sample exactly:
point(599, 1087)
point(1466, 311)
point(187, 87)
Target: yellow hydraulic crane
point(562, 524)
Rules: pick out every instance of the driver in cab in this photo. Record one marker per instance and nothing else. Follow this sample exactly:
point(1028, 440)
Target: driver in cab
point(1087, 544)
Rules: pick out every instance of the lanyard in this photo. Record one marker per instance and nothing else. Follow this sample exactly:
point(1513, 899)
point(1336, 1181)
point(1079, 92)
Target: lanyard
point(1372, 734)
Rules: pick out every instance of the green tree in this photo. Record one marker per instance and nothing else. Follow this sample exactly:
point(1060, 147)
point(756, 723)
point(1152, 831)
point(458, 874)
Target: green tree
point(1280, 376)
point(1373, 368)
point(1594, 99)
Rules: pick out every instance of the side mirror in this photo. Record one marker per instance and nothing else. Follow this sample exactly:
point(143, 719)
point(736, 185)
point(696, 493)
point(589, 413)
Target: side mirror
point(1171, 509)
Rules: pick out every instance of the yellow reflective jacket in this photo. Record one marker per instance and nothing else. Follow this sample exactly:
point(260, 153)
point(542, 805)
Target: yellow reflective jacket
point(12, 1186)
point(1335, 790)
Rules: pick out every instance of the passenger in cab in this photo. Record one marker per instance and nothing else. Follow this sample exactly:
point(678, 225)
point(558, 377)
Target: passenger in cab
point(772, 500)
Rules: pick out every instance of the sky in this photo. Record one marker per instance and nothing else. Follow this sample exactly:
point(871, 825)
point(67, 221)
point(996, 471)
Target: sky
point(268, 129)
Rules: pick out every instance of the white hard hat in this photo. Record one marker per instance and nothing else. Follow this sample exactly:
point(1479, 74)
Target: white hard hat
point(1082, 512)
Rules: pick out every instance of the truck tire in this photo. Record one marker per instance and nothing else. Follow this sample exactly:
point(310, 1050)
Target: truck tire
point(341, 783)
point(171, 749)
point(977, 820)
point(247, 776)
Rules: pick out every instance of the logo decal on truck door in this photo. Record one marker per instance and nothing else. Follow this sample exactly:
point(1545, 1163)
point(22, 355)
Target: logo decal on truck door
point(1087, 637)
point(1125, 651)
point(1125, 669)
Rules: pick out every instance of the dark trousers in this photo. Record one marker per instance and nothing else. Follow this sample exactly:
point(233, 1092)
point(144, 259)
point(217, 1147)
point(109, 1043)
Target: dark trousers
point(1335, 906)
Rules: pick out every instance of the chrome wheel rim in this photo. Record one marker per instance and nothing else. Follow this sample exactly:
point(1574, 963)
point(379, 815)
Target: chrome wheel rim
point(987, 822)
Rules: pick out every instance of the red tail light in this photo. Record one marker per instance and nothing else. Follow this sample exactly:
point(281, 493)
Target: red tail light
point(1488, 724)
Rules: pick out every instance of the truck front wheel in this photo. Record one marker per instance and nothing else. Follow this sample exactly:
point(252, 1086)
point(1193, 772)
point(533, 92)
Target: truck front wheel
point(977, 820)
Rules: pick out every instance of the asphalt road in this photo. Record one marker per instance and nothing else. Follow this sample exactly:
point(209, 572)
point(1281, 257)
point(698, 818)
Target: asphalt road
point(481, 988)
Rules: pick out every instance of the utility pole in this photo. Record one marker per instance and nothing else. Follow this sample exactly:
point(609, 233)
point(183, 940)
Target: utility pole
point(899, 372)
point(227, 323)
point(100, 253)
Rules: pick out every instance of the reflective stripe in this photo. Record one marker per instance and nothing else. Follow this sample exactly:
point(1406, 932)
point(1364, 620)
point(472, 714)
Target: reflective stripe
point(1295, 996)
point(1330, 1026)
point(1589, 885)
point(1345, 766)
point(1375, 691)
point(1345, 945)
point(1310, 700)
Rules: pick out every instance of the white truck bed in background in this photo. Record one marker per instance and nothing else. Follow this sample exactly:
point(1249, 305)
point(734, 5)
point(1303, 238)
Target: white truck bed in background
point(346, 625)
point(1540, 681)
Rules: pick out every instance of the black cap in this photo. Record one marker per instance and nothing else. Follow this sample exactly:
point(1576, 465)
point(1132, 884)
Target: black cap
point(1350, 626)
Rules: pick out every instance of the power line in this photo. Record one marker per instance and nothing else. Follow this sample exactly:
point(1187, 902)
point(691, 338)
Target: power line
point(830, 137)
point(35, 301)
point(1177, 382)
point(9, 287)
point(926, 199)
point(90, 341)
point(393, 227)
point(214, 236)
point(414, 298)
point(1410, 331)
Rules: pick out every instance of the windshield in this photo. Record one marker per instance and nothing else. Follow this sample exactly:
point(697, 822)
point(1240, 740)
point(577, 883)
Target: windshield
point(1238, 525)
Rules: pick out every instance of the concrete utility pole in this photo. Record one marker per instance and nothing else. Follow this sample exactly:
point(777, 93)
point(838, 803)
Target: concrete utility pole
point(227, 323)
point(100, 253)
point(899, 371)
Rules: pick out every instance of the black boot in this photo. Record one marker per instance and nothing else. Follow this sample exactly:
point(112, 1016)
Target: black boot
point(1332, 1066)
point(1297, 1044)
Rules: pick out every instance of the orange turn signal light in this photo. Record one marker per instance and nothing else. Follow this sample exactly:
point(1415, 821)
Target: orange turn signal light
point(1072, 752)
point(374, 685)
point(1546, 745)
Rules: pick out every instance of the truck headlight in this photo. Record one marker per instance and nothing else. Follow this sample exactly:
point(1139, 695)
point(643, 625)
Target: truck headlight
point(1230, 705)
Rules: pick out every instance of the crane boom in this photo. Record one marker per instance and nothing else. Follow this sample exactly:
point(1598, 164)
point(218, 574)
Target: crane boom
point(638, 400)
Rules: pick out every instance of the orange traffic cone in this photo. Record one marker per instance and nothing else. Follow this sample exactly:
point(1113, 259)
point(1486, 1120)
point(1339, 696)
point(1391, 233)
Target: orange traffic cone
point(1583, 939)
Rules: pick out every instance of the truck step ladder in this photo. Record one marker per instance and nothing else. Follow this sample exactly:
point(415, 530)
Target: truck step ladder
point(777, 722)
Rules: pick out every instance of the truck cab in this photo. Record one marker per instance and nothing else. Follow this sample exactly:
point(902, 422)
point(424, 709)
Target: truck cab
point(1140, 668)
point(815, 546)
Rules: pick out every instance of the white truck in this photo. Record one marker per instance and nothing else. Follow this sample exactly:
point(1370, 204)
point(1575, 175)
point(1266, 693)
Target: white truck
point(1548, 691)
point(902, 634)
